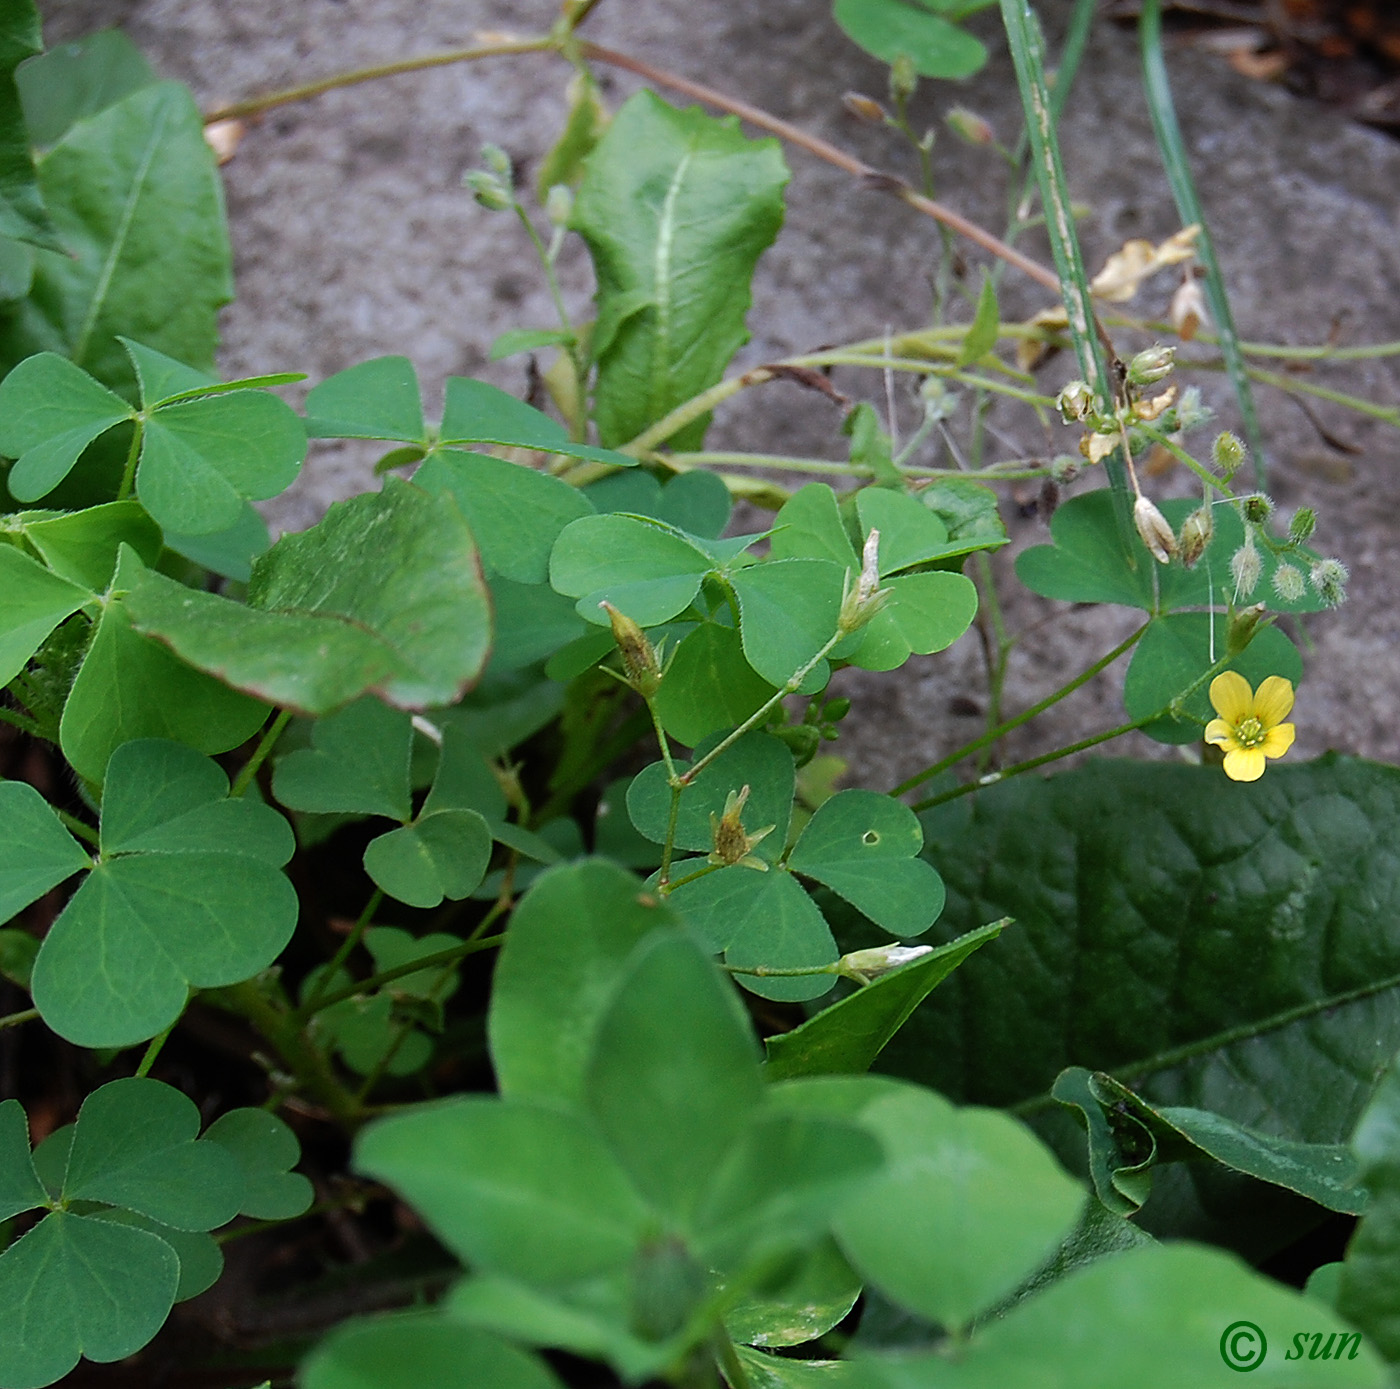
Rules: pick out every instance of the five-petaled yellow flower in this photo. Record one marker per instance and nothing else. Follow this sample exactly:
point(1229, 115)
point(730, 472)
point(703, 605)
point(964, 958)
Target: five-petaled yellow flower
point(1251, 724)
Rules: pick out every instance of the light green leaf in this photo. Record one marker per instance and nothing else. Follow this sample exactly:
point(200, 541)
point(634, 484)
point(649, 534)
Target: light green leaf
point(82, 546)
point(850, 1034)
point(477, 413)
point(808, 1305)
point(778, 1372)
point(50, 411)
point(515, 1188)
point(967, 1205)
point(982, 335)
point(809, 526)
point(441, 854)
point(516, 340)
point(676, 207)
point(863, 846)
point(418, 1350)
point(357, 764)
point(923, 613)
point(909, 532)
point(378, 399)
point(709, 686)
point(969, 511)
point(515, 513)
point(33, 602)
point(568, 941)
point(132, 687)
point(757, 760)
point(77, 80)
point(893, 29)
point(673, 1076)
point(648, 571)
point(264, 1149)
point(788, 611)
point(136, 197)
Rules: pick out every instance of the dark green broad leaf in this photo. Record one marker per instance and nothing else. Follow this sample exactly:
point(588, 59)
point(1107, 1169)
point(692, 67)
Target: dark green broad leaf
point(36, 852)
point(386, 589)
point(864, 847)
point(265, 1150)
point(532, 623)
point(969, 1202)
point(443, 853)
point(357, 764)
point(515, 512)
point(847, 1037)
point(1176, 650)
point(648, 571)
point(673, 1079)
point(132, 687)
point(33, 601)
point(709, 686)
point(915, 30)
point(757, 760)
point(201, 1261)
point(676, 207)
point(696, 502)
point(1132, 1135)
point(77, 80)
point(766, 1371)
point(229, 553)
point(187, 892)
point(20, 1187)
point(1368, 1294)
point(135, 195)
point(1158, 1317)
point(76, 1285)
point(766, 924)
point(1085, 564)
point(1216, 945)
point(82, 546)
point(569, 939)
point(418, 1350)
point(22, 214)
point(477, 413)
point(17, 952)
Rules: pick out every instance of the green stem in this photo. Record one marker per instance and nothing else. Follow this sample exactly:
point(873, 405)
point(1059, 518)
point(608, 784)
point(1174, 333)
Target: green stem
point(15, 1019)
point(993, 735)
point(387, 976)
point(1389, 414)
point(729, 1363)
point(78, 827)
point(266, 743)
point(313, 999)
point(1181, 456)
point(253, 106)
point(668, 848)
point(691, 877)
point(22, 722)
point(133, 454)
point(153, 1051)
point(768, 972)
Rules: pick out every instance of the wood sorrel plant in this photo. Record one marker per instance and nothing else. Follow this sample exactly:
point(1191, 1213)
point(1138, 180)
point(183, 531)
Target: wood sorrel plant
point(554, 731)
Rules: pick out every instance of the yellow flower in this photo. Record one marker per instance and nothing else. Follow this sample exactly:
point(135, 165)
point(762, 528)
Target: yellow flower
point(1250, 727)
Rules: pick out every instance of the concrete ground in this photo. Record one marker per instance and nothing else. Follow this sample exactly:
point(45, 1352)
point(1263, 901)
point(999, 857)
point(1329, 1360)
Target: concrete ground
point(353, 237)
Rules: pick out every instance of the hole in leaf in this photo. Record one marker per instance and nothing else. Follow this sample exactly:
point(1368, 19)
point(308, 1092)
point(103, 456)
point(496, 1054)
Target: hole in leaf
point(870, 837)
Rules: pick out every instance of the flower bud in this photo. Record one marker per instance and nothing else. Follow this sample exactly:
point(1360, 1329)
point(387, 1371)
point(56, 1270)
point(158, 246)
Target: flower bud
point(732, 842)
point(559, 204)
point(970, 127)
point(1301, 527)
point(498, 161)
point(1289, 583)
point(1242, 627)
point(1190, 412)
point(1329, 577)
point(1227, 453)
point(1064, 468)
point(865, 965)
point(903, 79)
point(835, 710)
point(1150, 366)
point(1245, 568)
point(1075, 402)
point(1156, 534)
point(638, 654)
point(489, 191)
point(867, 598)
point(1196, 532)
point(864, 108)
point(1257, 508)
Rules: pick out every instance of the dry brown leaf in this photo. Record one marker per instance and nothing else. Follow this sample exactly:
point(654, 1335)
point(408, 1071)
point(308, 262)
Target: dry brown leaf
point(1126, 269)
point(1032, 352)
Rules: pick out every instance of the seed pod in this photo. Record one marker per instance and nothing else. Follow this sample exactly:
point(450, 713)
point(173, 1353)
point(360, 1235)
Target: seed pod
point(1301, 527)
point(1156, 534)
point(1150, 366)
point(1227, 453)
point(1329, 577)
point(638, 654)
point(1245, 568)
point(1289, 583)
point(864, 108)
point(1196, 533)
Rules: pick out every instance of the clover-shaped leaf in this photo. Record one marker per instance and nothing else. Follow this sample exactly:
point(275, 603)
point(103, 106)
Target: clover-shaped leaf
point(82, 546)
point(99, 1282)
point(33, 601)
point(36, 852)
point(443, 853)
point(185, 892)
point(265, 1150)
point(709, 685)
point(357, 764)
point(787, 613)
point(387, 589)
point(864, 847)
point(696, 502)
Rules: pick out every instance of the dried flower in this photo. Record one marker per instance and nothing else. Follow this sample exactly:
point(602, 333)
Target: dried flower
point(1245, 568)
point(639, 656)
point(732, 842)
point(1156, 534)
point(1196, 533)
point(1188, 309)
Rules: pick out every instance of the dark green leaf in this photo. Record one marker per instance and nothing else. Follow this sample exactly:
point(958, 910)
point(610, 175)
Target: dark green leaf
point(357, 764)
point(922, 613)
point(33, 602)
point(17, 952)
point(22, 213)
point(849, 1035)
point(20, 1187)
point(696, 502)
point(78, 79)
point(264, 1149)
point(230, 552)
point(477, 413)
point(1121, 1147)
point(134, 193)
point(444, 853)
point(909, 532)
point(788, 611)
point(676, 208)
point(969, 511)
point(377, 399)
point(709, 686)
